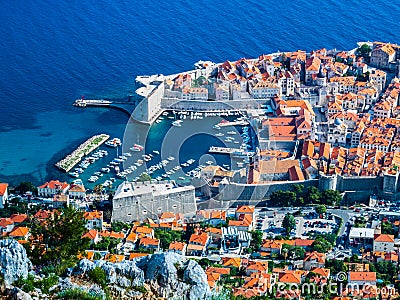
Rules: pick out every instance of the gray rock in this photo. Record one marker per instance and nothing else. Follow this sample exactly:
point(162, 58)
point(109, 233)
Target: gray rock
point(169, 275)
point(15, 293)
point(173, 276)
point(14, 262)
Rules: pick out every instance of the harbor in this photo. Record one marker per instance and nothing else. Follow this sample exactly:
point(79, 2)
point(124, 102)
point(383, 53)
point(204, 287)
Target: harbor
point(84, 149)
point(154, 151)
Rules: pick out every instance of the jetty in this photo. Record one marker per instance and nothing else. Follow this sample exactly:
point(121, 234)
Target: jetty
point(231, 151)
point(84, 149)
point(233, 123)
point(92, 102)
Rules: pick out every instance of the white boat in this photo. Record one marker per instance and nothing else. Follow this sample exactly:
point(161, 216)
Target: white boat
point(232, 132)
point(216, 126)
point(209, 162)
point(73, 174)
point(177, 123)
point(156, 152)
point(105, 170)
point(165, 113)
point(182, 178)
point(226, 166)
point(158, 121)
point(219, 134)
point(171, 158)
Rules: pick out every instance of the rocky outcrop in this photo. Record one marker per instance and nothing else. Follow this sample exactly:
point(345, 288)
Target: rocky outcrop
point(168, 275)
point(14, 262)
point(14, 293)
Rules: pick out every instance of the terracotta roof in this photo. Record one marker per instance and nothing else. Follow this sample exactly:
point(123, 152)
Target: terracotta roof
point(135, 255)
point(319, 257)
point(19, 218)
point(145, 241)
point(178, 246)
point(289, 277)
point(4, 222)
point(3, 188)
point(114, 258)
point(362, 276)
point(231, 262)
point(385, 238)
point(295, 173)
point(54, 184)
point(144, 230)
point(77, 188)
point(321, 271)
point(245, 209)
point(19, 232)
point(131, 237)
point(167, 215)
point(91, 234)
point(90, 215)
point(277, 166)
point(42, 214)
point(200, 239)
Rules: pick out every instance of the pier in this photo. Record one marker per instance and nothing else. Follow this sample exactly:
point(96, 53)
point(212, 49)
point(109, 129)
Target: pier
point(230, 151)
point(84, 149)
point(125, 106)
point(92, 102)
point(234, 123)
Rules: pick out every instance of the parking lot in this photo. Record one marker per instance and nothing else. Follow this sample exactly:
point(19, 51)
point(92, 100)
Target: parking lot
point(270, 223)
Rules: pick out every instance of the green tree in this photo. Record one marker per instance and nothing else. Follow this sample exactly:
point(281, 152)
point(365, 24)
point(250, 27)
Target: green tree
point(26, 186)
point(320, 209)
point(288, 223)
point(313, 195)
point(256, 239)
point(166, 237)
point(331, 197)
point(364, 50)
point(144, 177)
point(98, 275)
point(387, 228)
point(62, 237)
point(283, 198)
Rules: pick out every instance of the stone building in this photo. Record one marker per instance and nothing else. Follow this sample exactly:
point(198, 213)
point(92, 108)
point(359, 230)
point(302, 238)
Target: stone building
point(137, 201)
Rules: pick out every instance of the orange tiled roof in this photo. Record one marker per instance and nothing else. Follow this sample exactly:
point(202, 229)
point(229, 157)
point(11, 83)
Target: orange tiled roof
point(385, 238)
point(145, 241)
point(135, 255)
point(178, 246)
point(3, 188)
point(19, 232)
point(19, 218)
point(4, 222)
point(54, 184)
point(91, 234)
point(245, 209)
point(199, 239)
point(362, 276)
point(90, 215)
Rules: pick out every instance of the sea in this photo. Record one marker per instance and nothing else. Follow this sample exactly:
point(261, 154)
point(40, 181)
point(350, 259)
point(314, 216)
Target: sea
point(53, 52)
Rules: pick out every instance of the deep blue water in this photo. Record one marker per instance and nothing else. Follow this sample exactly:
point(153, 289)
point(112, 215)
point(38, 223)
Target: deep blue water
point(52, 52)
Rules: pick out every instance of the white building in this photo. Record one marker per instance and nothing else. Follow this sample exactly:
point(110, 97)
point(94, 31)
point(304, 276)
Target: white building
point(151, 89)
point(137, 201)
point(53, 187)
point(384, 243)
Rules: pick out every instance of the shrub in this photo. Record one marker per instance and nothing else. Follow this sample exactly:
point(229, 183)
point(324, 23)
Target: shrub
point(77, 294)
point(97, 275)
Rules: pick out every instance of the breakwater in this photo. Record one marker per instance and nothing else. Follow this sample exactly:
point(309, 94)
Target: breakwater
point(84, 149)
